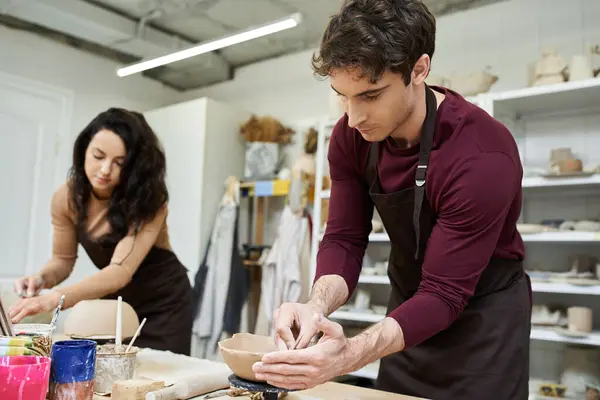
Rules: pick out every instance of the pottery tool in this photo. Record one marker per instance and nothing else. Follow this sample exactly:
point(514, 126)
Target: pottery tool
point(190, 387)
point(118, 338)
point(214, 395)
point(6, 327)
point(57, 311)
point(139, 329)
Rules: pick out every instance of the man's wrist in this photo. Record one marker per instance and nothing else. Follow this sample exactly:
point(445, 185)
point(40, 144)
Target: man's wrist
point(376, 342)
point(319, 306)
point(328, 293)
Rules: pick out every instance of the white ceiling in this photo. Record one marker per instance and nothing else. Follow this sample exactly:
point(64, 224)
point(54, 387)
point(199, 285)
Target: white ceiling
point(127, 30)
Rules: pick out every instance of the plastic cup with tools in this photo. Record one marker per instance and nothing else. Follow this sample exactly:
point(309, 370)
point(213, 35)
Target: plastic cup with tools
point(41, 335)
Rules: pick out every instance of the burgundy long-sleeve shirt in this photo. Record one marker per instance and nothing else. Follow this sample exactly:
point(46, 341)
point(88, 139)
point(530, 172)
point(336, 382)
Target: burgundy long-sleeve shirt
point(474, 187)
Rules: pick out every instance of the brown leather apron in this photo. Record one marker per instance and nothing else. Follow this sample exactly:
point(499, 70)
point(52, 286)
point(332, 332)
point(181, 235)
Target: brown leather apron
point(160, 291)
point(484, 354)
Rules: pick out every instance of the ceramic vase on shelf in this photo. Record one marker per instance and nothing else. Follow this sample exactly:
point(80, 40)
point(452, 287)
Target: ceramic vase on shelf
point(549, 69)
point(581, 67)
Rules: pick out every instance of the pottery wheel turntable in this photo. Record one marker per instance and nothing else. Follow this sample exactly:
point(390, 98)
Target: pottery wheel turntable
point(268, 392)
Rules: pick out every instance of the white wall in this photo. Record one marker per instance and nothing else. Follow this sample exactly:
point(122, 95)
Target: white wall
point(92, 79)
point(283, 87)
point(203, 146)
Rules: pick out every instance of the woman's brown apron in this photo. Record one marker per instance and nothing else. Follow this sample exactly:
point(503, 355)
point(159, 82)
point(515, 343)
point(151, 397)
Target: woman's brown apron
point(484, 354)
point(160, 291)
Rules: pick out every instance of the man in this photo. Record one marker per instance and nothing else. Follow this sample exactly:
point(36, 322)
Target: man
point(445, 178)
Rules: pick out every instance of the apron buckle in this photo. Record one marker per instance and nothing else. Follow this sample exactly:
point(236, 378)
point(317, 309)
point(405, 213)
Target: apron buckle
point(420, 175)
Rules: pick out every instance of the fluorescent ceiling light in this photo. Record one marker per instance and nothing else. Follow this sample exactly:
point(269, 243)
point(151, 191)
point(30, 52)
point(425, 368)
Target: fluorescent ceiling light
point(229, 40)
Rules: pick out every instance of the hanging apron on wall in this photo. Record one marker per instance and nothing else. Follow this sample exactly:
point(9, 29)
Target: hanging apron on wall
point(160, 291)
point(484, 354)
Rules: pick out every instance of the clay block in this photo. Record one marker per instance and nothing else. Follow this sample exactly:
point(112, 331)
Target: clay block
point(134, 389)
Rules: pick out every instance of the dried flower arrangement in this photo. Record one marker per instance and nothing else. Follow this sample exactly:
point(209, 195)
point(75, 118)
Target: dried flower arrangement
point(266, 129)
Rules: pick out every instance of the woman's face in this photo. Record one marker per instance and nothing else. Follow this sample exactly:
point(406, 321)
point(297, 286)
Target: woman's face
point(104, 159)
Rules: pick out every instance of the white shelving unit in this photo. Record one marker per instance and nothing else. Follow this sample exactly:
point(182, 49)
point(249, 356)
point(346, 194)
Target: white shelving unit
point(521, 110)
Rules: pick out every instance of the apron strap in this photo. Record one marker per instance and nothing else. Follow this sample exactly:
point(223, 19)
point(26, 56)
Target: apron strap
point(373, 157)
point(427, 134)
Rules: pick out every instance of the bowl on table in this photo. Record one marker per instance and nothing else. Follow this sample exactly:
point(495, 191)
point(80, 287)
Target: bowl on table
point(242, 350)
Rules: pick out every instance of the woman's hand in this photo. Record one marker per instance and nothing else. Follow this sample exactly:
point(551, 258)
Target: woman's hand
point(34, 305)
point(29, 286)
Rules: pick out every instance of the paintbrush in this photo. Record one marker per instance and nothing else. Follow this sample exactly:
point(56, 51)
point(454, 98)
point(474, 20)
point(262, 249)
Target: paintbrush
point(57, 311)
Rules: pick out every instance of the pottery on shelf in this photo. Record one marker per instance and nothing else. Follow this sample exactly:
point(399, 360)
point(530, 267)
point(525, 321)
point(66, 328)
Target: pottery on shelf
point(437, 80)
point(242, 350)
point(550, 68)
point(377, 226)
point(562, 161)
point(473, 83)
point(97, 319)
point(581, 67)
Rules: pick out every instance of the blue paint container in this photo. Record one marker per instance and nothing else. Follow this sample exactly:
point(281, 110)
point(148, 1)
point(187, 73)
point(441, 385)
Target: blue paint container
point(73, 369)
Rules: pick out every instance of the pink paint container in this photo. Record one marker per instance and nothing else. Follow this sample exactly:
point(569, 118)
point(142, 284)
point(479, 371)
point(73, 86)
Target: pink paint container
point(24, 377)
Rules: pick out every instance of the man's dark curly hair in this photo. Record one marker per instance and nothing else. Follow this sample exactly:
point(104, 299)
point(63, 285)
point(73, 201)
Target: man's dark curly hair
point(142, 190)
point(372, 36)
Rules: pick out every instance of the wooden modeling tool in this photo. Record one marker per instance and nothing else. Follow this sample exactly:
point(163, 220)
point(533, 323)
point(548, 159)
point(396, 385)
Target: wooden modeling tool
point(5, 322)
point(139, 329)
point(118, 334)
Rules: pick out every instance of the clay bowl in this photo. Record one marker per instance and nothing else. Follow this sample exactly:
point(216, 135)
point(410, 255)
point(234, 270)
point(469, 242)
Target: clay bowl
point(97, 320)
point(242, 350)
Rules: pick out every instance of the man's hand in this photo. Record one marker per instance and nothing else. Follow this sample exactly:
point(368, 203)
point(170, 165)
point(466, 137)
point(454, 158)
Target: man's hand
point(305, 368)
point(34, 305)
point(296, 318)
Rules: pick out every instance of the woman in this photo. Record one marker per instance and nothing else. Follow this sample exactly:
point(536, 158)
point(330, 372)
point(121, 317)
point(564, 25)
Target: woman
point(115, 205)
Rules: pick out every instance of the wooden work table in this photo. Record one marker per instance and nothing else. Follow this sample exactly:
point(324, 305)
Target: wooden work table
point(327, 391)
point(338, 391)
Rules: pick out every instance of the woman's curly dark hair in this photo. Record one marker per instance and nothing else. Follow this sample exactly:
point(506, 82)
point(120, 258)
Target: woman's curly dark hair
point(142, 190)
point(373, 36)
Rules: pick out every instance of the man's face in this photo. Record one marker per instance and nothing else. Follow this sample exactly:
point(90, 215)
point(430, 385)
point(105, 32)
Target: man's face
point(375, 109)
point(379, 109)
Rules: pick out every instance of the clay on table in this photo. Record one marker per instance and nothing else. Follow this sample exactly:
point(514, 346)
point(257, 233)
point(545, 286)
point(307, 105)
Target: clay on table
point(242, 350)
point(98, 319)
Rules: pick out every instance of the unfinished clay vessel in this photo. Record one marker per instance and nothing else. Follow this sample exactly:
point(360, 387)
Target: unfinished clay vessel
point(473, 83)
point(550, 69)
point(97, 319)
point(562, 161)
point(242, 350)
